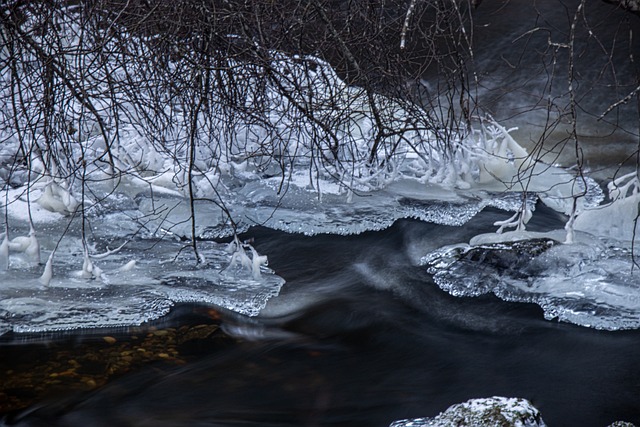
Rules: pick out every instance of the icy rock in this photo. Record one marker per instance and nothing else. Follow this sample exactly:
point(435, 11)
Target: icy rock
point(590, 282)
point(488, 412)
point(486, 265)
point(621, 424)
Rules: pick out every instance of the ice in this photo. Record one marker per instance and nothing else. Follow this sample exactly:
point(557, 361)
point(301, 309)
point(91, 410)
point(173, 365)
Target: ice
point(127, 293)
point(353, 144)
point(297, 209)
point(616, 219)
point(591, 282)
point(310, 201)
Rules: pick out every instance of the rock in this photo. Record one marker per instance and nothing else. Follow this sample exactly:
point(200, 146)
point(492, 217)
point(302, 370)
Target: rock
point(487, 412)
point(109, 340)
point(621, 424)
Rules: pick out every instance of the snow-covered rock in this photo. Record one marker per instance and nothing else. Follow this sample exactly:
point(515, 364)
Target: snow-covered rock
point(487, 412)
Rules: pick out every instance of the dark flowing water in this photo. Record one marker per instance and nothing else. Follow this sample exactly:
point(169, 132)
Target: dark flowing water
point(360, 337)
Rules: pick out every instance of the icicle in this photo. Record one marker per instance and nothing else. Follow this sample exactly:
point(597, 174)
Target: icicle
point(525, 216)
point(98, 273)
point(45, 279)
point(240, 256)
point(201, 259)
point(257, 261)
point(233, 245)
point(33, 250)
point(570, 232)
point(569, 226)
point(4, 252)
point(87, 265)
point(89, 269)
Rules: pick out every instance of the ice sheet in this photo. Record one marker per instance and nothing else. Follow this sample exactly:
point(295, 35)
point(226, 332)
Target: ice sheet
point(164, 274)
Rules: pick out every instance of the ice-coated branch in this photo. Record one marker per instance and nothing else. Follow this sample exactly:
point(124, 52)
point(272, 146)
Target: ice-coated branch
point(405, 25)
point(616, 104)
point(109, 252)
point(517, 221)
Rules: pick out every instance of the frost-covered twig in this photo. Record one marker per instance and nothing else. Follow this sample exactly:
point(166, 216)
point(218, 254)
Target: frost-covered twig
point(109, 252)
point(616, 104)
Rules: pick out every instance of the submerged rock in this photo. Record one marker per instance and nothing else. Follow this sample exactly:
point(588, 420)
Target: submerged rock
point(487, 412)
